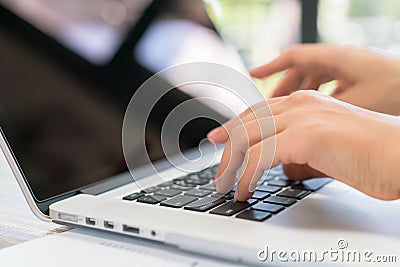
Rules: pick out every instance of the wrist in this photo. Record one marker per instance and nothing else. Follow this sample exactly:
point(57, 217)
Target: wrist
point(390, 167)
point(393, 99)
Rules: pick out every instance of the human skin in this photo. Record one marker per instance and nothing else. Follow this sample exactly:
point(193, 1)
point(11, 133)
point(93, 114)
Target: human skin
point(320, 136)
point(365, 79)
point(316, 135)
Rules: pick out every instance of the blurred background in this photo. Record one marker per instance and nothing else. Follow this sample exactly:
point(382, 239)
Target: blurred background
point(119, 43)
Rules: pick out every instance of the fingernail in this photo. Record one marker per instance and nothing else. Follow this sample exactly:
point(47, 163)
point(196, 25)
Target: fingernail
point(253, 186)
point(213, 132)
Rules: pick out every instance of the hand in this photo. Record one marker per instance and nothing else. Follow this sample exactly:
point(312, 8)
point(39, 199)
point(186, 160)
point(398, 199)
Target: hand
point(364, 78)
point(319, 135)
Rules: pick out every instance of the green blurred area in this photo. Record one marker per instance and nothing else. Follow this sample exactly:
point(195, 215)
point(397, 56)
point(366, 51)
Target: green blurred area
point(225, 13)
point(238, 11)
point(365, 8)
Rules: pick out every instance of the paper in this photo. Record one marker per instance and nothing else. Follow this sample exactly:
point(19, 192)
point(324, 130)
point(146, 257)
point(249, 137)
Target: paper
point(94, 248)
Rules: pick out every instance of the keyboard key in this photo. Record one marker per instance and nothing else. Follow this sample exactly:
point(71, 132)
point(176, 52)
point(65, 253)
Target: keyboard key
point(196, 181)
point(268, 207)
point(274, 172)
point(208, 171)
point(227, 196)
point(262, 181)
point(209, 187)
point(294, 193)
point(254, 215)
point(133, 196)
point(214, 168)
point(197, 193)
point(282, 177)
point(284, 201)
point(260, 195)
point(166, 184)
point(181, 182)
point(151, 199)
point(218, 195)
point(179, 187)
point(278, 168)
point(193, 176)
point(268, 188)
point(312, 184)
point(151, 189)
point(205, 204)
point(232, 207)
point(168, 192)
point(279, 182)
point(207, 174)
point(178, 201)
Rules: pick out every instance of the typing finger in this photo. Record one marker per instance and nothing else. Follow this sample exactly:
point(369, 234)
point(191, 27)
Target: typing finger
point(258, 158)
point(220, 134)
point(240, 140)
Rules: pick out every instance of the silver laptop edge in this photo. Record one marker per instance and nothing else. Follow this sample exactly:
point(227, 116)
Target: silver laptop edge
point(15, 168)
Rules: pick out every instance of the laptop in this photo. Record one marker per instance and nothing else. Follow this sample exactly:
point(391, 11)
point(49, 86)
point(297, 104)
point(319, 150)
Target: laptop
point(64, 146)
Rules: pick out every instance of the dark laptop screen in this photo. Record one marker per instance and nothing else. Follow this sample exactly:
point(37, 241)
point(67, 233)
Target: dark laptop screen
point(66, 133)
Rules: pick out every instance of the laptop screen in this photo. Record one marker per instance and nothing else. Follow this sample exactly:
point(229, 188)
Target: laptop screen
point(68, 135)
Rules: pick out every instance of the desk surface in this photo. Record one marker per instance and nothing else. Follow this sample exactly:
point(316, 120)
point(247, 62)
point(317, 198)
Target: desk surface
point(17, 223)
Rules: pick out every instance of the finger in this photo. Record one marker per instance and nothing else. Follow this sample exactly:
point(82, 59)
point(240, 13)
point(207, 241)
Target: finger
point(230, 162)
point(291, 82)
point(304, 56)
point(262, 109)
point(301, 172)
point(353, 96)
point(310, 84)
point(285, 145)
point(241, 138)
point(258, 158)
point(283, 62)
point(315, 81)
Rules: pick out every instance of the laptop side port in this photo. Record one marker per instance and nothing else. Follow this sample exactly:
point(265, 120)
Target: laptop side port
point(108, 225)
point(90, 221)
point(130, 229)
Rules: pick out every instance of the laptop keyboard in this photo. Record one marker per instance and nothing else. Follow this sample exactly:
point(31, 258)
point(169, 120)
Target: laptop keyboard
point(196, 192)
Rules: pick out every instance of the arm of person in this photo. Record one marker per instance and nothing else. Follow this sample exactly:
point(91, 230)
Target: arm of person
point(364, 78)
point(318, 135)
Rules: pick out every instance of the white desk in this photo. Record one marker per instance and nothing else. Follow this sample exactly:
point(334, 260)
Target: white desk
point(17, 223)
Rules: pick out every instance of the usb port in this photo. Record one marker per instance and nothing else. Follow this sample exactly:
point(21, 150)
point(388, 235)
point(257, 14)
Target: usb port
point(108, 225)
point(90, 221)
point(130, 229)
